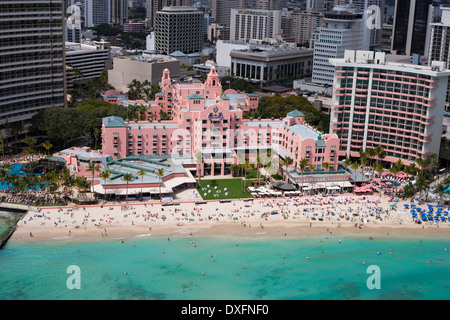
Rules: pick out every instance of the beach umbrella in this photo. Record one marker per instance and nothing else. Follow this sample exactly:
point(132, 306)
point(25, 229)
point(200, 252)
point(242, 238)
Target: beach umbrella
point(406, 205)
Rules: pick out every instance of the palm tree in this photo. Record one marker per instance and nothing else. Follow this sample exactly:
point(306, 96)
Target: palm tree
point(312, 167)
point(363, 161)
point(347, 163)
point(2, 143)
point(240, 163)
point(199, 160)
point(286, 163)
point(160, 173)
point(371, 154)
point(234, 168)
point(422, 163)
point(142, 172)
point(355, 166)
point(440, 190)
point(47, 145)
point(82, 184)
point(379, 150)
point(93, 167)
point(96, 132)
point(326, 166)
point(127, 178)
point(302, 167)
point(105, 175)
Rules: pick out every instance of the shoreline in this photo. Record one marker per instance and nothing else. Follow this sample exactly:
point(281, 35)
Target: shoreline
point(235, 219)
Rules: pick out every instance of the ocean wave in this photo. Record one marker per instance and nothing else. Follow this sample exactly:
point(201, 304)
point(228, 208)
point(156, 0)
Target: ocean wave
point(143, 235)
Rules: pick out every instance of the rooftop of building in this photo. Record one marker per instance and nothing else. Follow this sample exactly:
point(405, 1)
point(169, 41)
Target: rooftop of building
point(157, 59)
point(180, 9)
point(359, 58)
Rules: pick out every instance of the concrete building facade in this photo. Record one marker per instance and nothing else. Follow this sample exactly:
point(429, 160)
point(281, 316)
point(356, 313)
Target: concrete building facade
point(32, 70)
point(179, 29)
point(126, 69)
point(248, 24)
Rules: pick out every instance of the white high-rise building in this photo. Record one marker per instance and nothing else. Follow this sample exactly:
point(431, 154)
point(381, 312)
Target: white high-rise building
point(96, 12)
point(345, 31)
point(393, 105)
point(221, 10)
point(248, 24)
point(305, 24)
point(363, 5)
point(439, 45)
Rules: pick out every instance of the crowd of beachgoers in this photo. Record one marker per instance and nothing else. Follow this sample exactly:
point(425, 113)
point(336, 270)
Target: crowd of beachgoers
point(21, 158)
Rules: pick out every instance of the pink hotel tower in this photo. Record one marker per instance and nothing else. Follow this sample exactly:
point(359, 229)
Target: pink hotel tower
point(397, 106)
point(208, 121)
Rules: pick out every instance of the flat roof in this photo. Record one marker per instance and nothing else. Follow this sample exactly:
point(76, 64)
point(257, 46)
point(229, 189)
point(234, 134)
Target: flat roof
point(304, 131)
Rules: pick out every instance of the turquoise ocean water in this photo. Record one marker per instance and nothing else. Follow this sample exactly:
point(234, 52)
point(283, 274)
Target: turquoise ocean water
point(275, 269)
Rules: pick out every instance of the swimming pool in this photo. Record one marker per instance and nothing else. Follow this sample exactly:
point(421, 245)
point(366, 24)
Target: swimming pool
point(16, 169)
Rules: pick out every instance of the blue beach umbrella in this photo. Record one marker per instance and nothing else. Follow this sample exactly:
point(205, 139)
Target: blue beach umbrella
point(406, 205)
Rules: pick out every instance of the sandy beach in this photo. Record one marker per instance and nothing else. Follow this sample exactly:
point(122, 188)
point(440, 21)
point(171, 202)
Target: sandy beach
point(295, 217)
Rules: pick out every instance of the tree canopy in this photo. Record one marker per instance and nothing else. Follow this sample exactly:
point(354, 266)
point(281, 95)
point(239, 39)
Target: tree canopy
point(279, 107)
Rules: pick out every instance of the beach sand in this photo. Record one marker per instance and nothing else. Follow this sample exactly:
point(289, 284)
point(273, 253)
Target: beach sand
point(236, 218)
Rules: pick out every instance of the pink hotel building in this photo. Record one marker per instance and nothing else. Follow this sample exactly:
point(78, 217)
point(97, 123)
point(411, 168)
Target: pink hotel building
point(396, 106)
point(209, 121)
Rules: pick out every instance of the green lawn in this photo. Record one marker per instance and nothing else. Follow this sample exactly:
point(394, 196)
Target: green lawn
point(233, 189)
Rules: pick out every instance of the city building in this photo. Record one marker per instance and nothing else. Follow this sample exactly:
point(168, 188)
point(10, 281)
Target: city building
point(221, 10)
point(411, 26)
point(440, 43)
point(73, 25)
point(32, 71)
point(279, 64)
point(396, 106)
point(271, 4)
point(217, 31)
point(376, 32)
point(86, 61)
point(345, 30)
point(127, 68)
point(97, 12)
point(254, 24)
point(305, 24)
point(179, 29)
point(175, 176)
point(153, 6)
point(119, 11)
point(136, 27)
point(209, 121)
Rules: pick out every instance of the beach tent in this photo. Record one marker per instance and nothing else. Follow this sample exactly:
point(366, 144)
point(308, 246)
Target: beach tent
point(283, 186)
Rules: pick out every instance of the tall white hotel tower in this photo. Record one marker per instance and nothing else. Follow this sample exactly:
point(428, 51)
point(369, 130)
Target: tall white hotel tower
point(396, 106)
